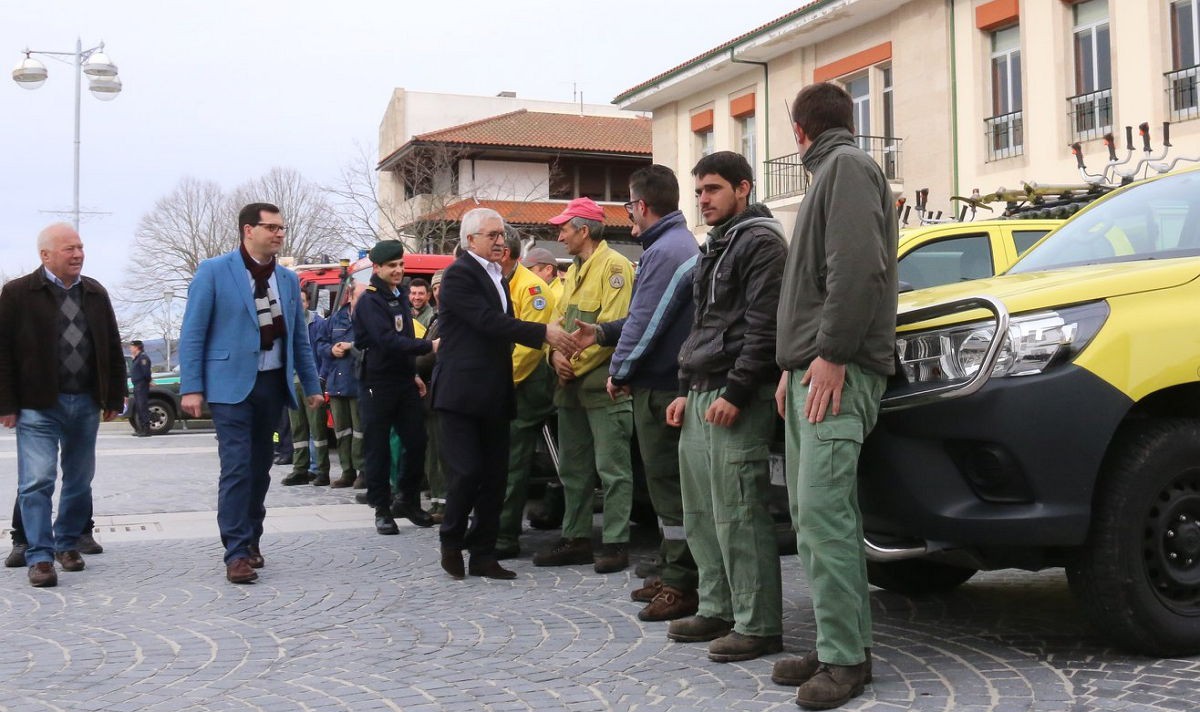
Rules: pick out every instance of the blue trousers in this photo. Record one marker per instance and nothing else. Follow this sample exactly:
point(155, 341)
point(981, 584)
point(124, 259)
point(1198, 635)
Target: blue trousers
point(244, 444)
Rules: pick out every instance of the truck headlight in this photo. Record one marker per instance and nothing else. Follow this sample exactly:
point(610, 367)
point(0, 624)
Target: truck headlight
point(1034, 342)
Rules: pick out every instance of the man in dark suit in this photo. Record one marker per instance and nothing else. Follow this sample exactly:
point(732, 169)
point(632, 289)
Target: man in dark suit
point(473, 391)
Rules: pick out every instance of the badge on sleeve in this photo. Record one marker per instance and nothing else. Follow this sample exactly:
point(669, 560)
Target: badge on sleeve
point(616, 281)
point(539, 303)
point(399, 322)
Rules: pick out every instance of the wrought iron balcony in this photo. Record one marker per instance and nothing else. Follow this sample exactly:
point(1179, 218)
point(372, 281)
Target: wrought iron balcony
point(1091, 114)
point(1005, 136)
point(787, 177)
point(1182, 86)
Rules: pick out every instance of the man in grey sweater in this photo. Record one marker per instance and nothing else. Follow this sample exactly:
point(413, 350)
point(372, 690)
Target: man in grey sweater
point(836, 341)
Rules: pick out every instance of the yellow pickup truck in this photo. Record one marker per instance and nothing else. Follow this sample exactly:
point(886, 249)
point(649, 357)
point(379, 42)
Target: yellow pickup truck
point(1050, 417)
point(933, 255)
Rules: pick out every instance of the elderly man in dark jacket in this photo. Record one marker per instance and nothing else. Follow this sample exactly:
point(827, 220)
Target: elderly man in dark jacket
point(61, 371)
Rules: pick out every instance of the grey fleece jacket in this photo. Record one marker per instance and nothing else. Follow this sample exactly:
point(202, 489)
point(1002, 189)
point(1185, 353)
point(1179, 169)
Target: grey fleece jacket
point(839, 285)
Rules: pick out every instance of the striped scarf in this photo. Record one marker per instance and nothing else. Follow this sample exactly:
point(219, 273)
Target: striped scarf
point(266, 302)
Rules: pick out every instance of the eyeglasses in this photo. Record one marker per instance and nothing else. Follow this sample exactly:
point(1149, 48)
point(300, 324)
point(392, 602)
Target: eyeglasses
point(630, 204)
point(272, 227)
point(493, 236)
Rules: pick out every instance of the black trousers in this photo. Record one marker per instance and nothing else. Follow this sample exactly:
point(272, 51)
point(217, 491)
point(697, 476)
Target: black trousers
point(475, 463)
point(18, 527)
point(141, 407)
point(384, 407)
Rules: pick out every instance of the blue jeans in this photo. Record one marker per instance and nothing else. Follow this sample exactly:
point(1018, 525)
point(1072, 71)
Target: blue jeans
point(244, 444)
point(71, 424)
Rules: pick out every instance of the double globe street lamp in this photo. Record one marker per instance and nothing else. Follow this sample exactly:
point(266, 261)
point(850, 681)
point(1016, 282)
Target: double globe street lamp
point(103, 82)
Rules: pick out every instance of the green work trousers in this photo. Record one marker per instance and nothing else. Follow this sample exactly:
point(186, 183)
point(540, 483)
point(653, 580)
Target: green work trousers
point(595, 442)
point(659, 446)
point(726, 478)
point(396, 447)
point(433, 460)
point(348, 428)
point(535, 403)
point(822, 482)
point(308, 423)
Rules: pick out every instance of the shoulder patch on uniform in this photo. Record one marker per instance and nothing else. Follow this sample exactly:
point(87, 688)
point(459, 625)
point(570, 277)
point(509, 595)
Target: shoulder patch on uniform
point(616, 281)
point(371, 288)
point(539, 303)
point(535, 289)
point(615, 268)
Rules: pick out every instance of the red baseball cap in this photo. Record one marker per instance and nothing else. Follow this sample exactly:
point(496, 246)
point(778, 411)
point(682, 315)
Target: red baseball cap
point(585, 208)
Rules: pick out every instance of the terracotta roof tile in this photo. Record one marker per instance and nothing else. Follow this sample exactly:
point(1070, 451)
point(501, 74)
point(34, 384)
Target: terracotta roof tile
point(535, 129)
point(524, 213)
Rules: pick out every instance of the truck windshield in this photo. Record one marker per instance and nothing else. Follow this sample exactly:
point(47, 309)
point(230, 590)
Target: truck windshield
point(1156, 220)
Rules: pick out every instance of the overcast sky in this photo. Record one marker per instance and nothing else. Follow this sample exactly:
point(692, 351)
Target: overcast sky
point(222, 90)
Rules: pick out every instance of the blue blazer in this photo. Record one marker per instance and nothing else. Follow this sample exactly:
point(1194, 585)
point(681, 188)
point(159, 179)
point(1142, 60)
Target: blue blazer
point(219, 343)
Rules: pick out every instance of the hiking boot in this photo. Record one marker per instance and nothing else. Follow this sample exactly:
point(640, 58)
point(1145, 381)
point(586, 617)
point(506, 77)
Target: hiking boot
point(69, 560)
point(650, 588)
point(43, 575)
point(346, 480)
point(87, 544)
point(565, 552)
point(698, 629)
point(612, 558)
point(16, 557)
point(832, 686)
point(670, 604)
point(794, 672)
point(321, 480)
point(296, 478)
point(737, 646)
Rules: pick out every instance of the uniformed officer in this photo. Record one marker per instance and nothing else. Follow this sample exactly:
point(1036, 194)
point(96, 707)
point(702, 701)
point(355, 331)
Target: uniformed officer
point(392, 391)
point(594, 429)
point(139, 373)
point(532, 300)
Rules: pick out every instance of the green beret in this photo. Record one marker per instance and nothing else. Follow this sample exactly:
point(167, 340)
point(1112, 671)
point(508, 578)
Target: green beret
point(386, 251)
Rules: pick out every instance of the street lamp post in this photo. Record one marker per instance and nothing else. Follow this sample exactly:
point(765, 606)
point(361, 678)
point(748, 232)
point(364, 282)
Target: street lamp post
point(169, 295)
point(103, 83)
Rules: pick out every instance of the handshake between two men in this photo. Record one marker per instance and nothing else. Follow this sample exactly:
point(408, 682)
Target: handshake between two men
point(573, 344)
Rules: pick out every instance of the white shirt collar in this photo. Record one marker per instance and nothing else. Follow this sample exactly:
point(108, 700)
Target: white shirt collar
point(54, 278)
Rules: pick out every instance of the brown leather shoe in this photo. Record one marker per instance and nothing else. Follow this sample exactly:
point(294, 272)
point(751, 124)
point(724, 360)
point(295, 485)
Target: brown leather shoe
point(87, 544)
point(737, 646)
point(650, 588)
point(16, 557)
point(69, 560)
point(611, 559)
point(490, 568)
point(346, 480)
point(698, 629)
point(832, 686)
point(794, 672)
point(565, 552)
point(452, 562)
point(239, 571)
point(43, 575)
point(256, 558)
point(670, 604)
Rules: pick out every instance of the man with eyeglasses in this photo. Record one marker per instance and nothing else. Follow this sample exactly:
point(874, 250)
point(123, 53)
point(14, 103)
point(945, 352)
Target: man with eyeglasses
point(473, 392)
point(243, 340)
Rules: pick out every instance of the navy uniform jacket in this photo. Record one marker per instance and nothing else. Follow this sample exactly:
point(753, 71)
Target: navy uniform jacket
point(139, 373)
point(339, 372)
point(383, 330)
point(473, 375)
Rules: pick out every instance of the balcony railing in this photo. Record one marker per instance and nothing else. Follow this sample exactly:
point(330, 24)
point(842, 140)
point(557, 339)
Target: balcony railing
point(1182, 85)
point(787, 177)
point(1091, 114)
point(1005, 136)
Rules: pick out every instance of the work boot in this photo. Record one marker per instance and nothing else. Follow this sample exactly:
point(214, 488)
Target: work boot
point(737, 646)
point(670, 604)
point(87, 544)
point(296, 478)
point(612, 558)
point(43, 575)
point(384, 524)
point(16, 557)
point(698, 629)
point(346, 480)
point(650, 588)
point(832, 686)
point(565, 552)
point(69, 560)
point(794, 672)
point(321, 480)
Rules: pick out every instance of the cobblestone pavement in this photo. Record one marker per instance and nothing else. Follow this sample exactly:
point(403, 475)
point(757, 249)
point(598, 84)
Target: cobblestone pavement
point(348, 620)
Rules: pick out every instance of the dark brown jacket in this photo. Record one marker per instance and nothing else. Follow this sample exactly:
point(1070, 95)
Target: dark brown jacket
point(29, 345)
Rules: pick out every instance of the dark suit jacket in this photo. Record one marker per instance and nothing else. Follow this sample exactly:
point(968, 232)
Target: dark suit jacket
point(473, 375)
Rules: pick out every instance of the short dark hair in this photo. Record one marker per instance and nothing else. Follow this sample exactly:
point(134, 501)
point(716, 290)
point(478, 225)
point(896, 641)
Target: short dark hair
point(823, 106)
point(137, 343)
point(658, 187)
point(252, 215)
point(731, 166)
point(418, 282)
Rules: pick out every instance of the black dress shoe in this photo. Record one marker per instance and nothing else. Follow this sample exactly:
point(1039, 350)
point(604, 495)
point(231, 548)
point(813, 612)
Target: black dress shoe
point(384, 524)
point(361, 498)
point(412, 512)
point(490, 568)
point(452, 562)
point(256, 558)
point(282, 460)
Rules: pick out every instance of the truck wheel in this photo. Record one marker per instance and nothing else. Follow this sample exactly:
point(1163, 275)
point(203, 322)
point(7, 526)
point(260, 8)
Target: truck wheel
point(162, 416)
point(917, 577)
point(1138, 576)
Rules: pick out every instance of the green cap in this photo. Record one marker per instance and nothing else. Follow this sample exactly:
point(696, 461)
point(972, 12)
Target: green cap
point(386, 251)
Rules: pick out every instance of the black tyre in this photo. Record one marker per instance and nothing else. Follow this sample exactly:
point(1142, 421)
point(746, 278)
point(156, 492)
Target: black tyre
point(1138, 576)
point(162, 416)
point(917, 577)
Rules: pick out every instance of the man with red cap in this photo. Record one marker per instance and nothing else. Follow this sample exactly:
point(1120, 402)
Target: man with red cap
point(594, 429)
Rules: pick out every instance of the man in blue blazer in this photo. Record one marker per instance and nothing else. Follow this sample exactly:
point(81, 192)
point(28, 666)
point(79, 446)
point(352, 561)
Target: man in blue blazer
point(243, 340)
